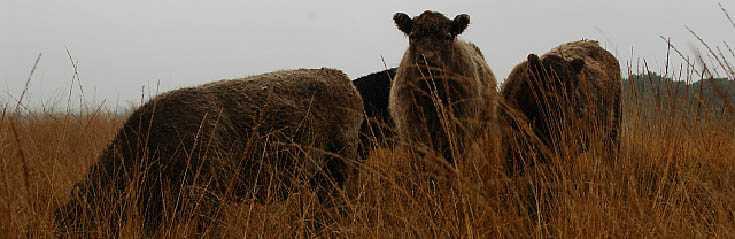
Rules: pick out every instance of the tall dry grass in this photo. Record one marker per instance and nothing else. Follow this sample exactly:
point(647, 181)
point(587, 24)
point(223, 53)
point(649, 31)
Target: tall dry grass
point(674, 177)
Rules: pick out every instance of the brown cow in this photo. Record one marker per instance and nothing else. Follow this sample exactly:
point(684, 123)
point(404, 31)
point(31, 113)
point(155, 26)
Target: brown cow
point(562, 103)
point(444, 93)
point(245, 138)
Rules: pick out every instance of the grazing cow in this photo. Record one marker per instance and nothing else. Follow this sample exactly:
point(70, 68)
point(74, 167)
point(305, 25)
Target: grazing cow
point(444, 93)
point(562, 103)
point(254, 137)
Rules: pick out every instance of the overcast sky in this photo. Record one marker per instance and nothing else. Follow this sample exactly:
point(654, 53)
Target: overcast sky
point(122, 45)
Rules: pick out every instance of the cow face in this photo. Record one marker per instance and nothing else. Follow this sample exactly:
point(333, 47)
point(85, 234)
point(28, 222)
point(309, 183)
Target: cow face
point(554, 70)
point(431, 34)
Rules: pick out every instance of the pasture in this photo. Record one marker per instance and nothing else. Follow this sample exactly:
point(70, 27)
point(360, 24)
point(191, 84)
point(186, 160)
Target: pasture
point(672, 177)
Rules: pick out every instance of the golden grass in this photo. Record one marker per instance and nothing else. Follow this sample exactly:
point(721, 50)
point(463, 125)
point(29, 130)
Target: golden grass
point(674, 177)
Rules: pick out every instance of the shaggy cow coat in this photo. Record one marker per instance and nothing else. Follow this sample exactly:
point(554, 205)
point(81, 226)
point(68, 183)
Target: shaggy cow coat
point(562, 103)
point(253, 137)
point(444, 93)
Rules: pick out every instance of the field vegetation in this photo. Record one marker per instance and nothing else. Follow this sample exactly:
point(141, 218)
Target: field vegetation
point(674, 176)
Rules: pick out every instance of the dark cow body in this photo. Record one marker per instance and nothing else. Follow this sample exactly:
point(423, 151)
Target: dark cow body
point(561, 104)
point(188, 149)
point(378, 128)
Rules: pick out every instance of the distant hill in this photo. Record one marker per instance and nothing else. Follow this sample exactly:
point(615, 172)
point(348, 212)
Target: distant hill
point(713, 92)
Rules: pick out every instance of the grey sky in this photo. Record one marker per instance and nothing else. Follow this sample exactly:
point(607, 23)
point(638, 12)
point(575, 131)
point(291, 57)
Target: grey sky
point(121, 45)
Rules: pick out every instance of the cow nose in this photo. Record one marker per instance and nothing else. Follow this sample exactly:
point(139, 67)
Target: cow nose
point(427, 55)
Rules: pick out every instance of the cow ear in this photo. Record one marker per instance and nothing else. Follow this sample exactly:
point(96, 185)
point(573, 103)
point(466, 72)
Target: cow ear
point(577, 65)
point(403, 22)
point(534, 66)
point(459, 24)
point(533, 59)
point(534, 62)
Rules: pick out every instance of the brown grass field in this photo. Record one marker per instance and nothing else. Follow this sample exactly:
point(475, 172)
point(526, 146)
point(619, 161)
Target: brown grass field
point(674, 177)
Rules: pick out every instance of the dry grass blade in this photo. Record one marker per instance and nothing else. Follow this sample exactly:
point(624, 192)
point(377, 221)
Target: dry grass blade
point(729, 49)
point(79, 81)
point(728, 67)
point(727, 14)
point(711, 52)
point(24, 161)
point(27, 84)
point(681, 55)
point(19, 146)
